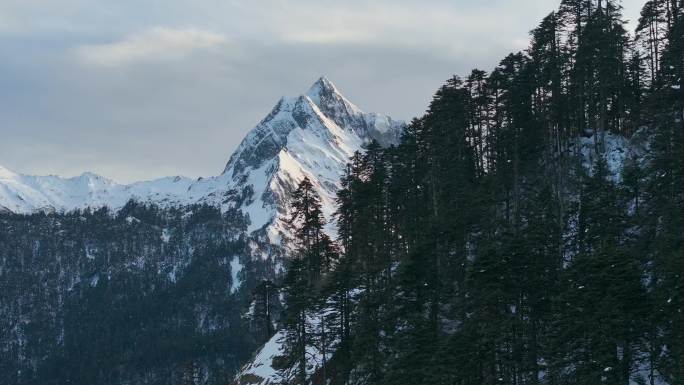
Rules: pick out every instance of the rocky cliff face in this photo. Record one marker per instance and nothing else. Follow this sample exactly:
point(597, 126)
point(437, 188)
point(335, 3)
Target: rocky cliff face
point(313, 136)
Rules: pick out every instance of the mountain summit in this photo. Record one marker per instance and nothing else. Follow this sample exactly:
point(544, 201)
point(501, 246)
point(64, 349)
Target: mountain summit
point(322, 103)
point(311, 135)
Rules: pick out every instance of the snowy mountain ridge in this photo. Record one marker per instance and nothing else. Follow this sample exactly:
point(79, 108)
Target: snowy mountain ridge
point(311, 135)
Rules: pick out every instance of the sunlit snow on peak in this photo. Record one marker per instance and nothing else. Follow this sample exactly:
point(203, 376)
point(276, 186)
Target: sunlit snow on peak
point(311, 135)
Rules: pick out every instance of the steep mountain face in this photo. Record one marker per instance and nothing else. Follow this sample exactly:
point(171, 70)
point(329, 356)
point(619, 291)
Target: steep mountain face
point(174, 254)
point(311, 135)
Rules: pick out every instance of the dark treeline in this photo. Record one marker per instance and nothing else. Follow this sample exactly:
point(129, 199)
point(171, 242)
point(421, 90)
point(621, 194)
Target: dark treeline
point(496, 244)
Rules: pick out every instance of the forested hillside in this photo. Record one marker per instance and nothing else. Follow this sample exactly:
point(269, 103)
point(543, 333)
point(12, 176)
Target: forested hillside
point(145, 295)
point(529, 229)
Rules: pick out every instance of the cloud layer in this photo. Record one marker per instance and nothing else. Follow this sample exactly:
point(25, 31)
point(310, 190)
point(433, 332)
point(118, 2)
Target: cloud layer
point(136, 90)
point(157, 44)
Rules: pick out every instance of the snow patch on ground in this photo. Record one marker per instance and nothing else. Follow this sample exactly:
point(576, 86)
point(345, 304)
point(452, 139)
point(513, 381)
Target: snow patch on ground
point(165, 236)
point(260, 369)
point(235, 269)
point(616, 149)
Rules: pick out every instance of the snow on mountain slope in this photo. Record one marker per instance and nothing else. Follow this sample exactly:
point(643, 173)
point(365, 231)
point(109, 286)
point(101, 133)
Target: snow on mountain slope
point(25, 193)
point(311, 135)
point(615, 150)
point(261, 370)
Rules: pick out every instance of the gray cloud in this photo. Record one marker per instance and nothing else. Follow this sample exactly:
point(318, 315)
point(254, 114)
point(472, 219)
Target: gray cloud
point(136, 90)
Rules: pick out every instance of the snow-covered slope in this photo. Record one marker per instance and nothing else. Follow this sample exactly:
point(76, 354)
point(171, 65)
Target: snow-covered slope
point(310, 135)
point(261, 370)
point(25, 193)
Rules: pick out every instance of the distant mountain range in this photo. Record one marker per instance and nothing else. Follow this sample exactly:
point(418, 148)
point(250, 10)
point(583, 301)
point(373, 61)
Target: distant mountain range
point(311, 135)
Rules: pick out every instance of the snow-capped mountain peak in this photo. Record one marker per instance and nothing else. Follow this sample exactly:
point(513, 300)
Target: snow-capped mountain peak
point(311, 135)
point(344, 113)
point(324, 93)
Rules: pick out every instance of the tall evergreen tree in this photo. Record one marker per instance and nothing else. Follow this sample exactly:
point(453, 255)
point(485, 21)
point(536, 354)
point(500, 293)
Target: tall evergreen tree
point(302, 283)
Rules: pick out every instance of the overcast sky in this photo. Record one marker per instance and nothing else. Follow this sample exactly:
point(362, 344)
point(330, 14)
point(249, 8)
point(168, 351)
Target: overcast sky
point(142, 89)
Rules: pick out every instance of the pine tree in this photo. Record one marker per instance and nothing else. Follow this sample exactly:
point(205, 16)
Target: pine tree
point(264, 302)
point(651, 33)
point(667, 192)
point(601, 308)
point(296, 321)
point(302, 283)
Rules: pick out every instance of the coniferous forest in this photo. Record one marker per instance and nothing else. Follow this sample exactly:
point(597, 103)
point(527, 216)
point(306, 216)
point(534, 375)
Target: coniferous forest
point(499, 242)
point(527, 229)
point(95, 297)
